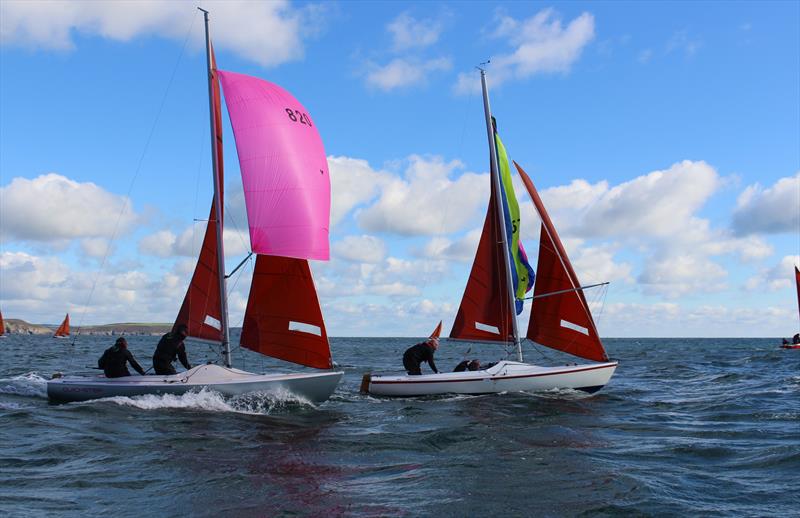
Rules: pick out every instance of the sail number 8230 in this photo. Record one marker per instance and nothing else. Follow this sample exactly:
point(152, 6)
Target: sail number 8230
point(298, 116)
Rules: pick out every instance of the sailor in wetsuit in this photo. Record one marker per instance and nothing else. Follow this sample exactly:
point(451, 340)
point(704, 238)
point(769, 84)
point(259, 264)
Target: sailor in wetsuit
point(422, 352)
point(115, 359)
point(169, 348)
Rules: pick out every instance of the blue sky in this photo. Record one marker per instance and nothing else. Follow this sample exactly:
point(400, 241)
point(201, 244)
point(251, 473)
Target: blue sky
point(664, 138)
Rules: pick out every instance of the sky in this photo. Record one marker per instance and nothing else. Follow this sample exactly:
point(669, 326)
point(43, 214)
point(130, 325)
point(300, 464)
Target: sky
point(664, 138)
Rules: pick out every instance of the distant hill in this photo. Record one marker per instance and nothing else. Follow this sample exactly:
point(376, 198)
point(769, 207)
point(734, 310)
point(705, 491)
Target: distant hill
point(17, 326)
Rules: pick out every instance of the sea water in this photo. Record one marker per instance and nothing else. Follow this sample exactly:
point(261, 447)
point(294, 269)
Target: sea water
point(698, 427)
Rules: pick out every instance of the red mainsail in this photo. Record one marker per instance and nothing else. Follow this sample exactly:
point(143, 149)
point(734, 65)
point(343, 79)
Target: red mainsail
point(63, 329)
point(283, 318)
point(3, 325)
point(202, 307)
point(563, 320)
point(438, 331)
point(485, 313)
point(797, 282)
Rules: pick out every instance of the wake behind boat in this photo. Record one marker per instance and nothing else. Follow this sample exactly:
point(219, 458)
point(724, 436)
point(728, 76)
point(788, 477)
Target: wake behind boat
point(287, 196)
point(560, 314)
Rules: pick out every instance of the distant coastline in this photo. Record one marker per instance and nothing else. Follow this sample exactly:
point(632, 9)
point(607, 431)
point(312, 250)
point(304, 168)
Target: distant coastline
point(17, 326)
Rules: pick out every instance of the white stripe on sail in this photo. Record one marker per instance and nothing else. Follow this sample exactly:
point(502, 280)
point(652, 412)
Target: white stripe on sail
point(213, 322)
point(487, 328)
point(575, 327)
point(305, 328)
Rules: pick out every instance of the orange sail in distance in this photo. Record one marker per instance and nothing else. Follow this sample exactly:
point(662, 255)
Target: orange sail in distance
point(63, 329)
point(437, 331)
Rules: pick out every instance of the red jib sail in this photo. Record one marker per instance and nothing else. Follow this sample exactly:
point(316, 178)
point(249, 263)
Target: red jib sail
point(561, 321)
point(2, 325)
point(485, 313)
point(202, 307)
point(797, 282)
point(63, 329)
point(283, 318)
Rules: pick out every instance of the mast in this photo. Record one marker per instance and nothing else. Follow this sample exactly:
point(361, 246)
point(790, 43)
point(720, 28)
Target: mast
point(223, 291)
point(495, 174)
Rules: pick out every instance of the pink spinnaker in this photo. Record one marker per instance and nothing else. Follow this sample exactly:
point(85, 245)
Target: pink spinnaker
point(285, 175)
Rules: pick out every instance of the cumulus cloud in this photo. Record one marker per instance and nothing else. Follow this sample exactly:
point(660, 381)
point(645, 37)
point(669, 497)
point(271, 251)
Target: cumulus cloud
point(772, 210)
point(96, 247)
point(52, 207)
point(462, 249)
point(402, 73)
point(426, 201)
point(408, 32)
point(353, 182)
point(268, 33)
point(679, 275)
point(542, 44)
point(777, 277)
point(364, 249)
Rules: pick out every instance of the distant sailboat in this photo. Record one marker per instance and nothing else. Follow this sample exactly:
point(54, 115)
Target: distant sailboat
point(63, 329)
point(2, 326)
point(560, 314)
point(797, 285)
point(287, 196)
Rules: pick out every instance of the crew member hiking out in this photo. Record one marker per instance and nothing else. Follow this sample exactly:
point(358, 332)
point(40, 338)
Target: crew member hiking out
point(422, 352)
point(169, 348)
point(115, 359)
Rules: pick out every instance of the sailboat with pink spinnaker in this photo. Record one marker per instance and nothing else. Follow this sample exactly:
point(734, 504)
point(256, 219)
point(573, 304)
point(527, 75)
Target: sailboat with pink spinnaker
point(287, 194)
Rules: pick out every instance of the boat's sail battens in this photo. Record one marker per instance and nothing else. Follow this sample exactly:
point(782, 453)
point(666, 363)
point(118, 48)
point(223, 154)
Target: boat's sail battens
point(284, 169)
point(283, 318)
point(563, 321)
point(201, 310)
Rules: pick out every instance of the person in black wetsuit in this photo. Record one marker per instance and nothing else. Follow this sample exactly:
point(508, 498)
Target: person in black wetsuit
point(796, 339)
point(422, 352)
point(169, 348)
point(115, 359)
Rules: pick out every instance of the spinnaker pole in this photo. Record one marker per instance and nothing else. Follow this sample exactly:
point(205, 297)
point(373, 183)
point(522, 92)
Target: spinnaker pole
point(495, 174)
point(223, 289)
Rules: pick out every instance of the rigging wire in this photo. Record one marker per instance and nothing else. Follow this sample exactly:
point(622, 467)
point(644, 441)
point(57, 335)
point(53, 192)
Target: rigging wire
point(137, 170)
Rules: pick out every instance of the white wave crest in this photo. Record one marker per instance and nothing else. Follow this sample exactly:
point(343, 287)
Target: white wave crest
point(255, 403)
point(29, 384)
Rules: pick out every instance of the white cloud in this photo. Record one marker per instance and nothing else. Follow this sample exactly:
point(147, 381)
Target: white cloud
point(679, 275)
point(96, 247)
point(462, 249)
point(353, 182)
point(408, 32)
point(404, 72)
point(772, 210)
point(778, 277)
point(426, 201)
point(268, 33)
point(645, 56)
point(364, 249)
point(52, 207)
point(160, 244)
point(541, 45)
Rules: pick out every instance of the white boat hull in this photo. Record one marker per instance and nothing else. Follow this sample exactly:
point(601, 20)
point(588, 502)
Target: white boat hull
point(506, 376)
point(313, 387)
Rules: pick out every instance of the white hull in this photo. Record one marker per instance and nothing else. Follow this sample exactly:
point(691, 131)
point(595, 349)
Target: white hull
point(314, 387)
point(506, 376)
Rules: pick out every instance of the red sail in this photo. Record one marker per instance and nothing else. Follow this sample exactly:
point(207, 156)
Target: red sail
point(201, 308)
point(283, 318)
point(63, 329)
point(797, 281)
point(438, 331)
point(2, 325)
point(485, 313)
point(562, 321)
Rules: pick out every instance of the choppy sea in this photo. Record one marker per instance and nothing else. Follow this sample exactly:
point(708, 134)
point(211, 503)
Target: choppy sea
point(697, 427)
